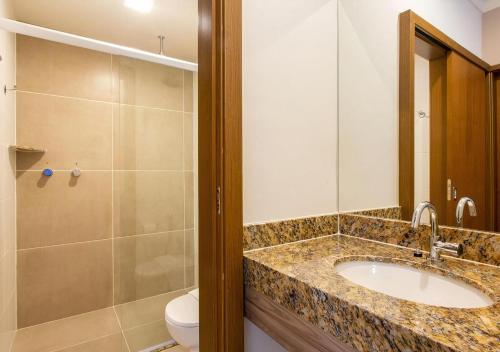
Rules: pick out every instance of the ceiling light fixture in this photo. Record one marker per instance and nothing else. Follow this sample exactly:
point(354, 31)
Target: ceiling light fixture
point(143, 6)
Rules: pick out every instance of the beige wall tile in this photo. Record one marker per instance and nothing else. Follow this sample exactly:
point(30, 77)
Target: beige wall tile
point(48, 67)
point(7, 226)
point(148, 202)
point(59, 277)
point(189, 253)
point(60, 281)
point(147, 84)
point(147, 335)
point(62, 208)
point(8, 324)
point(71, 130)
point(147, 139)
point(112, 343)
point(188, 91)
point(7, 279)
point(148, 265)
point(189, 202)
point(8, 174)
point(188, 141)
point(8, 74)
point(7, 187)
point(63, 333)
point(144, 311)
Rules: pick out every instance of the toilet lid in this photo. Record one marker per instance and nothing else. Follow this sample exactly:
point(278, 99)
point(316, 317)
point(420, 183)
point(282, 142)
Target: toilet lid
point(183, 311)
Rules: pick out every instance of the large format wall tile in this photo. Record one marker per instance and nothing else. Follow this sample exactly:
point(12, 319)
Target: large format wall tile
point(147, 84)
point(190, 260)
point(129, 125)
point(71, 130)
point(60, 281)
point(189, 204)
point(145, 311)
point(7, 226)
point(48, 67)
point(188, 91)
point(147, 139)
point(188, 141)
point(8, 324)
point(7, 279)
point(62, 208)
point(60, 334)
point(148, 265)
point(148, 202)
point(8, 165)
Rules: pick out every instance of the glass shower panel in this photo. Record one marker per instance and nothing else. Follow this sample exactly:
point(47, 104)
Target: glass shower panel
point(154, 176)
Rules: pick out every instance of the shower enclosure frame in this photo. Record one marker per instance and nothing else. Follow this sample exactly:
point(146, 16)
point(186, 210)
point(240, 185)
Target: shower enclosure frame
point(220, 175)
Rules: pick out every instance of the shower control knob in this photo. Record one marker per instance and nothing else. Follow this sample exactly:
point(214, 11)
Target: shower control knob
point(47, 172)
point(76, 172)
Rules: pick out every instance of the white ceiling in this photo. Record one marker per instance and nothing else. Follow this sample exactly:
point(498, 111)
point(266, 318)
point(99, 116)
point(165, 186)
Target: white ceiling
point(486, 5)
point(110, 21)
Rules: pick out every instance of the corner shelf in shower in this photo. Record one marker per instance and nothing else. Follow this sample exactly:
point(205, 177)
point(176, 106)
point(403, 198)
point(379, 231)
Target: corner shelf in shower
point(26, 149)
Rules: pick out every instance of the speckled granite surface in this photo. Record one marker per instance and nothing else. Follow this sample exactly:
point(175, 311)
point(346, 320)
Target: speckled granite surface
point(479, 246)
point(280, 232)
point(386, 213)
point(301, 277)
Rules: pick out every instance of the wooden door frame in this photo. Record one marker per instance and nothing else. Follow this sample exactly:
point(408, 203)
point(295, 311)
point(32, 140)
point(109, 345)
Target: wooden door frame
point(494, 78)
point(220, 176)
point(410, 26)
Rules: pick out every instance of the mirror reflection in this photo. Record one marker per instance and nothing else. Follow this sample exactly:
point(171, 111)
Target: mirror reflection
point(418, 103)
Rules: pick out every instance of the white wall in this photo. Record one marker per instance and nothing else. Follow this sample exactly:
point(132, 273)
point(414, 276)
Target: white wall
point(368, 90)
point(7, 186)
point(491, 34)
point(289, 108)
point(257, 340)
point(422, 141)
point(289, 116)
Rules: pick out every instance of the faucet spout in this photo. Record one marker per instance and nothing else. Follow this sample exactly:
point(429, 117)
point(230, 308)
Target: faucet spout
point(465, 201)
point(417, 214)
point(415, 223)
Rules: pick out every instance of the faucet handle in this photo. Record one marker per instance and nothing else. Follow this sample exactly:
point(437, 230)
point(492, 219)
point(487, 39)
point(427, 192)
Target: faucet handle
point(451, 249)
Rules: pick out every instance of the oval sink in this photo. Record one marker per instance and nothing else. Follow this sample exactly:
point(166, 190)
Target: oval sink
point(406, 282)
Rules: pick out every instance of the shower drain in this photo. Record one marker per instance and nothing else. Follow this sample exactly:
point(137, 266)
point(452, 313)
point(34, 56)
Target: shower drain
point(164, 346)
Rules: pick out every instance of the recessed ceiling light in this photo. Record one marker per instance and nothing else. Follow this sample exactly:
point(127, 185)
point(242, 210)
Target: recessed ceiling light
point(143, 6)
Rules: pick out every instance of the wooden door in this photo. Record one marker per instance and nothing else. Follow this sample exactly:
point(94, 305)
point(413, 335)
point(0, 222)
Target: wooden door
point(466, 138)
point(220, 176)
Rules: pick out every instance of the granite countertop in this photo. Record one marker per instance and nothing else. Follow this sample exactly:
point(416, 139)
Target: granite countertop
point(301, 277)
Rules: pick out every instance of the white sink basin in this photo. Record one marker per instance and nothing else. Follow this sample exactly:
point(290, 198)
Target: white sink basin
point(406, 282)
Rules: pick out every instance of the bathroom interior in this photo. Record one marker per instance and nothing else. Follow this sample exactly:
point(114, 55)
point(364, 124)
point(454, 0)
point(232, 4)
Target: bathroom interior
point(370, 179)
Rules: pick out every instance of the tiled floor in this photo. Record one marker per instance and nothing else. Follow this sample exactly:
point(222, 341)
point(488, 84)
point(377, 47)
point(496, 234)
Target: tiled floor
point(129, 327)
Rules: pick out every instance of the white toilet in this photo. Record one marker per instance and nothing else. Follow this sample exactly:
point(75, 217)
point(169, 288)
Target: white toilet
point(183, 322)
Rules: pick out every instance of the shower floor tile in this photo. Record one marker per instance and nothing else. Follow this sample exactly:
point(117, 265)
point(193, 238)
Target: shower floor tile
point(62, 334)
point(97, 331)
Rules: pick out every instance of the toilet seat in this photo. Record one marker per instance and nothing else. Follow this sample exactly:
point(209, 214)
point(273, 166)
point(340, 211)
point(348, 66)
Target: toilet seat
point(183, 311)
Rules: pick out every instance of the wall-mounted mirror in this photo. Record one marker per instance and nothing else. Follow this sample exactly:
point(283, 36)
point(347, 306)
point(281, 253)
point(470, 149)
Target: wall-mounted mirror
point(418, 107)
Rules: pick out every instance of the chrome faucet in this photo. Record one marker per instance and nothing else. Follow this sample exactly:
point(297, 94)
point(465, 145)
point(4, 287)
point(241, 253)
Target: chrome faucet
point(435, 245)
point(460, 209)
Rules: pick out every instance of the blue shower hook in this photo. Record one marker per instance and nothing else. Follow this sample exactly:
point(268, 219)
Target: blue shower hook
point(48, 172)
